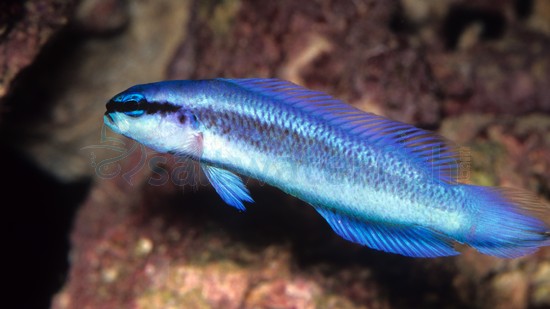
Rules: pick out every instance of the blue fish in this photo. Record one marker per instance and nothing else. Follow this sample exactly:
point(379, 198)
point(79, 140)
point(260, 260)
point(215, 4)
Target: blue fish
point(377, 182)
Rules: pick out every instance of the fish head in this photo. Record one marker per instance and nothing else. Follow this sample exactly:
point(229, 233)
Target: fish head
point(154, 121)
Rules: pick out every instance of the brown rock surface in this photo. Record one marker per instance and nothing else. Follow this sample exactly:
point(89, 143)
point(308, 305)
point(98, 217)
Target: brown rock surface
point(25, 26)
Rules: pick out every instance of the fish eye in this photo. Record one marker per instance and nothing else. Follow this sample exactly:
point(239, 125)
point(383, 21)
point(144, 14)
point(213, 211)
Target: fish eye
point(133, 108)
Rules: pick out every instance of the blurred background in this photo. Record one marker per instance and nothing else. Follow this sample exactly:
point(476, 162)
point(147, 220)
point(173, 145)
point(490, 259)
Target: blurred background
point(94, 220)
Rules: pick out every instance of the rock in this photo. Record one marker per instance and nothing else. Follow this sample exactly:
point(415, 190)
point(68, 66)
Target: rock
point(102, 17)
point(25, 26)
point(70, 118)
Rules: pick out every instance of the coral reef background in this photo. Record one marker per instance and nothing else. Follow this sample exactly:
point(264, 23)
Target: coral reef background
point(94, 220)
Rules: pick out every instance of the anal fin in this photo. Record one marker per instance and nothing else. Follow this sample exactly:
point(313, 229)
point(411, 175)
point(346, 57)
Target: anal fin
point(414, 241)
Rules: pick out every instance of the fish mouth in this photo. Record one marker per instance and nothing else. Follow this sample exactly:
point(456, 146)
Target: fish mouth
point(109, 121)
point(108, 118)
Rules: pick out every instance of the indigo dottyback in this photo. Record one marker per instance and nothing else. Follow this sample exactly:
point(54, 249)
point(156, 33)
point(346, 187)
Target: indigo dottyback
point(377, 182)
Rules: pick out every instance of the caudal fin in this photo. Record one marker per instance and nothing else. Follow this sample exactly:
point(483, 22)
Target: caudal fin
point(508, 223)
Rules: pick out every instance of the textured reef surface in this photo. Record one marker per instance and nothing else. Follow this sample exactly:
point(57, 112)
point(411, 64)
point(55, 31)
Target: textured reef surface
point(142, 236)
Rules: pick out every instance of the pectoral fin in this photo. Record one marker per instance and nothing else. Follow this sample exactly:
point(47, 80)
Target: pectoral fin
point(229, 186)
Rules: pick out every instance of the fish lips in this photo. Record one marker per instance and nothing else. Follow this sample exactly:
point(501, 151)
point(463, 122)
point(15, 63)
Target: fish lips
point(110, 122)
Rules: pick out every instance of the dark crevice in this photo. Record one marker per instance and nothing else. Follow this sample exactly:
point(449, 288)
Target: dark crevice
point(399, 23)
point(46, 77)
point(11, 12)
point(523, 8)
point(38, 208)
point(459, 18)
point(38, 216)
point(544, 187)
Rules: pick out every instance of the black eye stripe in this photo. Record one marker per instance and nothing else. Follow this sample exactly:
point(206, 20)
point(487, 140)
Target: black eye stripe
point(155, 107)
point(148, 107)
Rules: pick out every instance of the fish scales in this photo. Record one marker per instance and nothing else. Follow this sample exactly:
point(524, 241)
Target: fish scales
point(317, 150)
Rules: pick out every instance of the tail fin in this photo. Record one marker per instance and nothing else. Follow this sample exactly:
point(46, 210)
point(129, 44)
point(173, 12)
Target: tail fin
point(509, 223)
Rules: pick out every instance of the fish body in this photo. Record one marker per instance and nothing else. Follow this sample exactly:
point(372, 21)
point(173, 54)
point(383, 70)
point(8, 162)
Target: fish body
point(377, 182)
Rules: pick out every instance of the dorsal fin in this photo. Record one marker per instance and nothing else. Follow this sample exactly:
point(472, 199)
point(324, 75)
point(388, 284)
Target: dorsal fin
point(426, 148)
